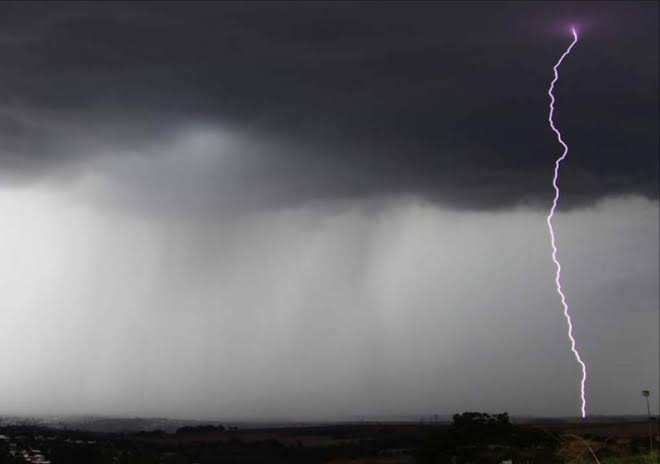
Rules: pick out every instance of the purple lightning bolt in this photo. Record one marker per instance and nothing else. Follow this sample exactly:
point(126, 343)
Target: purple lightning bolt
point(552, 232)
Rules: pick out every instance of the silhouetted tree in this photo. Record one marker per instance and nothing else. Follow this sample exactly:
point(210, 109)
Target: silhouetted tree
point(477, 429)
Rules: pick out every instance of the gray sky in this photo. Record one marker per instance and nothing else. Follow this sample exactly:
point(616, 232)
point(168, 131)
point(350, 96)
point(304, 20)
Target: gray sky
point(304, 211)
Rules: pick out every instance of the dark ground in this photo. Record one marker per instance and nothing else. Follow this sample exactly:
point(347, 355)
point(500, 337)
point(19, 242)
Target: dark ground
point(471, 437)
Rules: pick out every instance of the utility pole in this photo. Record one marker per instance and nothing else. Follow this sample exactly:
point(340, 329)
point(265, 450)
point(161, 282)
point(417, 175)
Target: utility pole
point(646, 394)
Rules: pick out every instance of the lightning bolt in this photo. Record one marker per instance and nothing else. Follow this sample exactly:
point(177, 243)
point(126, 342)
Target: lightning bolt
point(552, 232)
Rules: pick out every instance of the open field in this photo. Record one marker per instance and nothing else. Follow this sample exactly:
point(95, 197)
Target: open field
point(605, 429)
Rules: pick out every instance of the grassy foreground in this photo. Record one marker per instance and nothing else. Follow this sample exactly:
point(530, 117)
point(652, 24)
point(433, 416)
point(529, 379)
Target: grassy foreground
point(644, 458)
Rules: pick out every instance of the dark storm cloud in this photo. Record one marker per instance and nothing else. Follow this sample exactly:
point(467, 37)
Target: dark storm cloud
point(442, 100)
